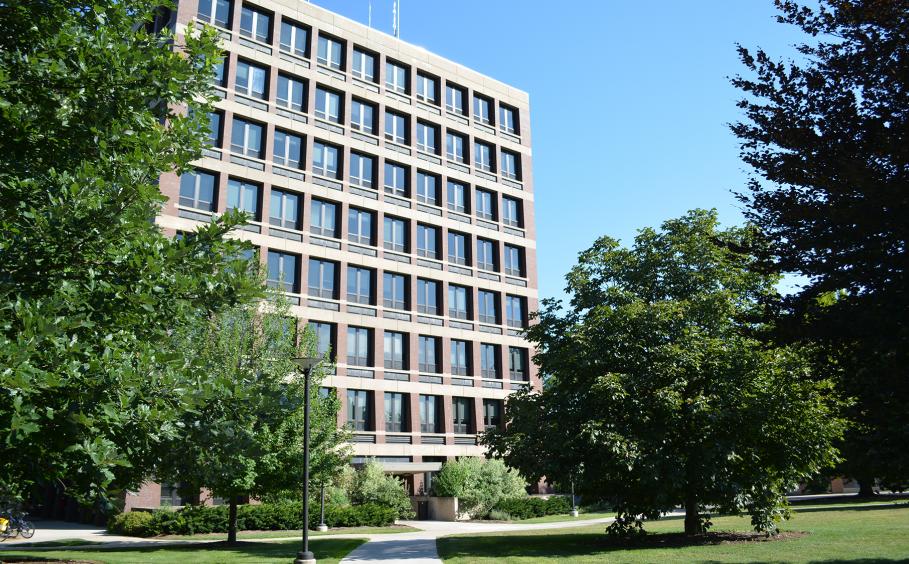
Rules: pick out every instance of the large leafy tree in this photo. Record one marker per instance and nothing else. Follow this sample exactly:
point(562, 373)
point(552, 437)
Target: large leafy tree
point(89, 286)
point(828, 139)
point(657, 392)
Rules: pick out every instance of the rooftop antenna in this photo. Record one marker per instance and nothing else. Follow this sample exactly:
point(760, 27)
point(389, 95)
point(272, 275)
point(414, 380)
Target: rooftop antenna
point(370, 13)
point(396, 18)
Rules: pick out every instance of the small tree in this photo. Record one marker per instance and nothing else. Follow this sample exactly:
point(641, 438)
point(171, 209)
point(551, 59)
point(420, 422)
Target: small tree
point(478, 484)
point(372, 485)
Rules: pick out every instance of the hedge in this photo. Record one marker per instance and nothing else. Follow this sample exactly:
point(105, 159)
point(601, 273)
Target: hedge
point(530, 507)
point(200, 519)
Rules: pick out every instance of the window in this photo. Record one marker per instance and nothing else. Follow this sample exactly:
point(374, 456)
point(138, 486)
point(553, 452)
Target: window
point(427, 296)
point(427, 354)
point(197, 190)
point(288, 149)
point(394, 291)
point(359, 226)
point(364, 65)
point(325, 337)
point(427, 237)
point(394, 412)
point(170, 495)
point(246, 138)
point(514, 311)
point(255, 24)
point(323, 218)
point(457, 248)
point(486, 254)
point(284, 209)
point(396, 127)
point(427, 188)
point(426, 88)
point(395, 234)
point(458, 304)
point(358, 346)
point(482, 109)
point(359, 285)
point(220, 75)
point(362, 116)
point(492, 413)
point(489, 360)
point(509, 165)
point(485, 205)
point(489, 311)
point(325, 160)
point(251, 80)
point(508, 119)
point(514, 263)
point(429, 414)
point(243, 196)
point(460, 357)
point(426, 137)
point(460, 410)
point(482, 156)
point(294, 38)
point(321, 278)
point(454, 99)
point(328, 105)
point(395, 344)
point(215, 119)
point(330, 53)
point(215, 12)
point(457, 197)
point(395, 179)
point(517, 363)
point(358, 409)
point(282, 272)
point(396, 77)
point(361, 169)
point(511, 212)
point(454, 147)
point(291, 93)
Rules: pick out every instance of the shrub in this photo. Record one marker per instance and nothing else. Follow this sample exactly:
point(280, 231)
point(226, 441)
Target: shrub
point(495, 515)
point(478, 484)
point(373, 485)
point(531, 507)
point(133, 524)
point(368, 515)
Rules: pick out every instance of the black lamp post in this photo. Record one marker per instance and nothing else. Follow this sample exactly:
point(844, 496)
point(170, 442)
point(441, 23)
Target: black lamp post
point(307, 364)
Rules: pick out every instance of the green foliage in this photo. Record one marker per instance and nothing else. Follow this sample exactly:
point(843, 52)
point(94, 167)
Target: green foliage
point(479, 484)
point(530, 507)
point(132, 524)
point(659, 395)
point(373, 486)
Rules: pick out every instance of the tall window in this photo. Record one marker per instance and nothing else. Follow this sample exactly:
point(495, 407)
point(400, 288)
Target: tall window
point(251, 80)
point(215, 12)
point(288, 149)
point(457, 197)
point(460, 357)
point(458, 304)
point(243, 196)
point(255, 24)
point(330, 53)
point(283, 271)
point(284, 209)
point(396, 127)
point(487, 303)
point(429, 414)
point(291, 93)
point(514, 263)
point(514, 311)
point(426, 88)
point(394, 291)
point(361, 169)
point(517, 363)
point(492, 413)
point(394, 412)
point(426, 137)
point(294, 38)
point(215, 119)
point(359, 285)
point(359, 226)
point(485, 205)
point(427, 238)
point(482, 109)
point(396, 77)
point(364, 65)
point(246, 138)
point(325, 160)
point(460, 410)
point(395, 346)
point(358, 346)
point(220, 75)
point(197, 190)
point(323, 218)
point(509, 165)
point(454, 99)
point(321, 279)
point(511, 212)
point(427, 296)
point(457, 248)
point(454, 147)
point(358, 409)
point(489, 360)
point(328, 105)
point(395, 179)
point(508, 119)
point(362, 116)
point(482, 156)
point(325, 337)
point(427, 188)
point(486, 254)
point(395, 234)
point(428, 353)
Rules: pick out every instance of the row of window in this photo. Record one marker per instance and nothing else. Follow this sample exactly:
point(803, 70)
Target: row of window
point(295, 38)
point(396, 407)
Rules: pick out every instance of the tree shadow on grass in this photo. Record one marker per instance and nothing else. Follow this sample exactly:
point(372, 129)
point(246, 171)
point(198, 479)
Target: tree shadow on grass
point(881, 507)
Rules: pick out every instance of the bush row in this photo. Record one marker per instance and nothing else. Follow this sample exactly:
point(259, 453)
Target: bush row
point(530, 507)
point(200, 519)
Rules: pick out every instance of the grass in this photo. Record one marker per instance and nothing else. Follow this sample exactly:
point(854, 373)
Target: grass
point(246, 535)
point(564, 517)
point(327, 551)
point(865, 532)
point(54, 543)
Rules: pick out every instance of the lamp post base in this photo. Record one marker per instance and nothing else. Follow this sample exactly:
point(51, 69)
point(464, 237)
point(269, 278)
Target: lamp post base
point(305, 558)
point(322, 527)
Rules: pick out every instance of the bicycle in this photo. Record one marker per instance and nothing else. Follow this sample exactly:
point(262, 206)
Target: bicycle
point(13, 524)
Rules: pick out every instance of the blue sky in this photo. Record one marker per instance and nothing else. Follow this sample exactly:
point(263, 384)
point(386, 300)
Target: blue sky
point(641, 135)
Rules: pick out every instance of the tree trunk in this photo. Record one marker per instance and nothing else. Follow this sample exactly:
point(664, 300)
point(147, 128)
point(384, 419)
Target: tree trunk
point(866, 487)
point(232, 521)
point(692, 518)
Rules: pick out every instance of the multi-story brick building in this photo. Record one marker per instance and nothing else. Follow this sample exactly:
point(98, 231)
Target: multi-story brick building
point(392, 198)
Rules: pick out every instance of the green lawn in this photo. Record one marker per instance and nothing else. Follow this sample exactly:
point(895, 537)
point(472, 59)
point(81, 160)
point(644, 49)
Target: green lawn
point(565, 517)
point(245, 535)
point(866, 532)
point(327, 551)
